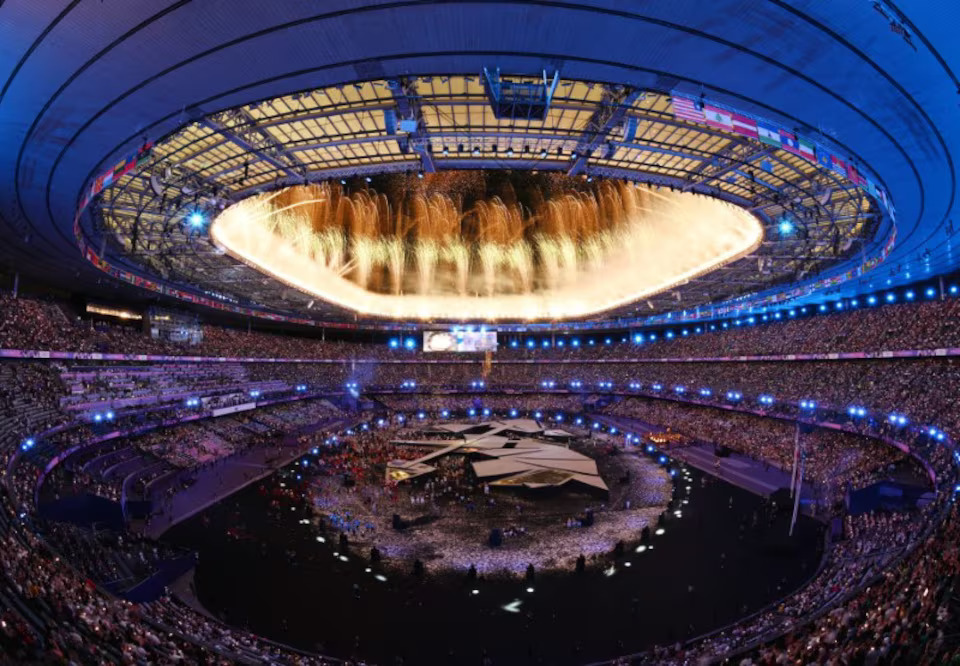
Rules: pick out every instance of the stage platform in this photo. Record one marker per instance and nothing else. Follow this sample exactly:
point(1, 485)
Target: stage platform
point(747, 473)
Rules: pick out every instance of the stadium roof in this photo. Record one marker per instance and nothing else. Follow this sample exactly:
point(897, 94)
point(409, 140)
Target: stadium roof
point(282, 91)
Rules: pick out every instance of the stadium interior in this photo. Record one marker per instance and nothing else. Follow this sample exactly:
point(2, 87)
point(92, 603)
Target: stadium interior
point(452, 332)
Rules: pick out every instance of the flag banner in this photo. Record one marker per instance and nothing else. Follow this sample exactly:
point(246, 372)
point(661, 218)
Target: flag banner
point(744, 125)
point(768, 133)
point(824, 158)
point(853, 175)
point(838, 165)
point(788, 141)
point(687, 109)
point(719, 118)
point(806, 149)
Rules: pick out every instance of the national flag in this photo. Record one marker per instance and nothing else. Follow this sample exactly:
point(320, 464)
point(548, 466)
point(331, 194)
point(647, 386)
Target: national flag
point(768, 133)
point(838, 165)
point(806, 149)
point(744, 125)
point(96, 187)
point(824, 158)
point(882, 196)
point(719, 118)
point(687, 109)
point(853, 175)
point(871, 186)
point(788, 141)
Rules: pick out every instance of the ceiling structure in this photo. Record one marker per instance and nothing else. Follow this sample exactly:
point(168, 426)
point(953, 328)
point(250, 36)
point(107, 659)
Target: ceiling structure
point(341, 134)
point(243, 96)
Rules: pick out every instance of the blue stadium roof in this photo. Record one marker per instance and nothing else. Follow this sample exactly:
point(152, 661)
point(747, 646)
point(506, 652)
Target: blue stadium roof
point(84, 83)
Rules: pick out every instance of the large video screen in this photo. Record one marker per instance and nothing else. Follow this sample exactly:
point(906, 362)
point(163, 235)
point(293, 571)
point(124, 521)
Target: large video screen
point(459, 341)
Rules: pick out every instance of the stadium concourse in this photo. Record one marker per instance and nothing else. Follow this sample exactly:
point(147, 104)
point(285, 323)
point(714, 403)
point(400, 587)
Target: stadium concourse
point(367, 332)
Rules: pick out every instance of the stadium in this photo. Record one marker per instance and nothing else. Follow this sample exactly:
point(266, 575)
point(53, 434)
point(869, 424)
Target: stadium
point(457, 332)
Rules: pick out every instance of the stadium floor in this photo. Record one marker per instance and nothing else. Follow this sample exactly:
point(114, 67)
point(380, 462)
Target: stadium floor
point(261, 568)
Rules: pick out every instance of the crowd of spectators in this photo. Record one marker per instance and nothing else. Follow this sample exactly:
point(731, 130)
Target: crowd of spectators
point(31, 323)
point(52, 612)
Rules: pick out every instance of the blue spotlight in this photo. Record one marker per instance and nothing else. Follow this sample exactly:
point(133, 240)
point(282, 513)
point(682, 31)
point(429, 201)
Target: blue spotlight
point(871, 300)
point(786, 226)
point(931, 292)
point(196, 219)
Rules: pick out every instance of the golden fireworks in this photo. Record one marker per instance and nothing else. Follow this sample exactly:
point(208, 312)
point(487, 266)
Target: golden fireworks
point(576, 253)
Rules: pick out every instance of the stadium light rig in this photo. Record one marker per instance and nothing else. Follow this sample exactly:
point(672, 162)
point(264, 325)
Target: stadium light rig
point(808, 404)
point(857, 411)
point(28, 444)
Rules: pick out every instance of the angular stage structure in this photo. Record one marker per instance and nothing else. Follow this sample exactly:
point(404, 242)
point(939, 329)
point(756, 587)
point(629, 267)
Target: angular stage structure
point(516, 453)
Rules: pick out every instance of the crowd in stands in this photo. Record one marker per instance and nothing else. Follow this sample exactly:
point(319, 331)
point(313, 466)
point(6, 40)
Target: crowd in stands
point(31, 323)
point(54, 611)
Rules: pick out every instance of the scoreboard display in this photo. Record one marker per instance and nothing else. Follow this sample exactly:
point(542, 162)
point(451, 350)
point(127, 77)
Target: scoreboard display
point(459, 341)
